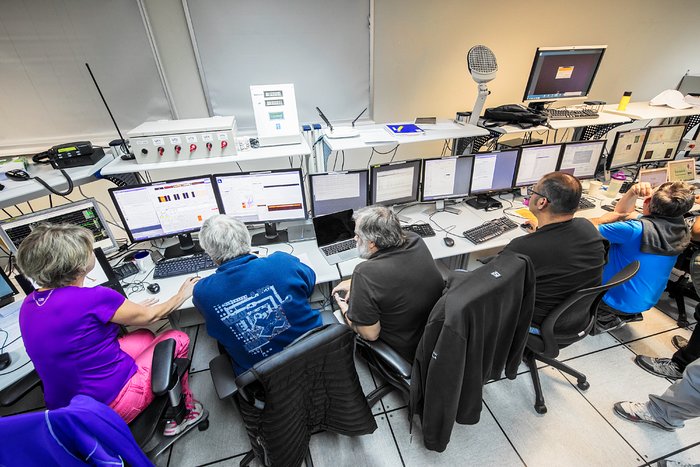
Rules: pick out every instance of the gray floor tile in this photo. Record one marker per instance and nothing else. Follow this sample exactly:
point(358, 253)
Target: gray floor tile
point(394, 399)
point(654, 321)
point(570, 433)
point(367, 382)
point(234, 462)
point(481, 444)
point(377, 449)
point(205, 350)
point(668, 306)
point(587, 345)
point(689, 456)
point(658, 345)
point(616, 378)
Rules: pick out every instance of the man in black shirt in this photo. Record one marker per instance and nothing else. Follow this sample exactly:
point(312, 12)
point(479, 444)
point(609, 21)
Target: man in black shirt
point(568, 254)
point(394, 291)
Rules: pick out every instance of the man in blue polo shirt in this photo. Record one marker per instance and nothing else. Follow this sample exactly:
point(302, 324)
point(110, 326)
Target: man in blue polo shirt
point(253, 306)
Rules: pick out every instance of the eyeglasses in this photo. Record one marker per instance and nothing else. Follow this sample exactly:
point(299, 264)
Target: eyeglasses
point(531, 191)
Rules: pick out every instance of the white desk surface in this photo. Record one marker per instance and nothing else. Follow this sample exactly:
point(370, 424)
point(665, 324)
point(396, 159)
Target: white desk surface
point(20, 365)
point(604, 118)
point(18, 192)
point(443, 129)
point(120, 166)
point(644, 111)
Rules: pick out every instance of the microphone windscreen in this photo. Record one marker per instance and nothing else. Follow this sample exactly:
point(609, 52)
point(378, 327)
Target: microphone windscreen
point(480, 59)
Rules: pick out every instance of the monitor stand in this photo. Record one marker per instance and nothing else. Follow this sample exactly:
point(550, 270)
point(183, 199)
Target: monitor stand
point(484, 202)
point(185, 246)
point(538, 106)
point(270, 236)
point(440, 206)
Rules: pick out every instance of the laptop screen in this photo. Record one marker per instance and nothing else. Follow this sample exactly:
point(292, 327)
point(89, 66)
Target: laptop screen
point(334, 227)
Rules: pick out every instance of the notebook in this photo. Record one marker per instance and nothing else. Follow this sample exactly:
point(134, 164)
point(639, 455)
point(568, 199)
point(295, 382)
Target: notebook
point(335, 235)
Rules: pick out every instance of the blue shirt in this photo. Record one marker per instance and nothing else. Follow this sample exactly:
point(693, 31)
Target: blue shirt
point(256, 306)
point(642, 291)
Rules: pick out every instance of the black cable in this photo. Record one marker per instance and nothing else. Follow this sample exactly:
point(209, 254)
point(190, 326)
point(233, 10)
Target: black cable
point(7, 213)
point(52, 190)
point(20, 211)
point(15, 369)
point(30, 206)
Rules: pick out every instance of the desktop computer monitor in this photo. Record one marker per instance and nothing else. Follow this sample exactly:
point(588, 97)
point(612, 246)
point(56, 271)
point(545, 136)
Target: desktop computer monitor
point(562, 73)
point(338, 191)
point(167, 208)
point(263, 197)
point(535, 162)
point(582, 157)
point(662, 143)
point(493, 172)
point(446, 178)
point(85, 213)
point(395, 182)
point(627, 148)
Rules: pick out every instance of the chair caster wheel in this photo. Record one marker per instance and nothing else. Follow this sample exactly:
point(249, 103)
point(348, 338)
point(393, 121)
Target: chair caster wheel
point(541, 409)
point(203, 425)
point(583, 385)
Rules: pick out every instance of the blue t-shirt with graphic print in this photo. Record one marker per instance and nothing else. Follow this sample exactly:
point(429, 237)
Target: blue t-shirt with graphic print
point(256, 306)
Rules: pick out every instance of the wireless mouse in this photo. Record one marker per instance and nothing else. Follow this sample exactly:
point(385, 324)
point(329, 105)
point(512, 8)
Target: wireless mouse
point(153, 288)
point(5, 360)
point(448, 241)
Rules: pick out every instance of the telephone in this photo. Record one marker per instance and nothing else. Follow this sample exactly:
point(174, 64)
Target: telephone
point(69, 155)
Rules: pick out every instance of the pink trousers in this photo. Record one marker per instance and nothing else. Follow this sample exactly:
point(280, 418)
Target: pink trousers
point(136, 393)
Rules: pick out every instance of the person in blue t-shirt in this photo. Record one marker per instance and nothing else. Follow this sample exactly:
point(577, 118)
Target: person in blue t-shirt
point(654, 238)
point(253, 306)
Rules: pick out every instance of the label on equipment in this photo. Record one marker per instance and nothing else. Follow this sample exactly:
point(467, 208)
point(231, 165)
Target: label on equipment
point(175, 140)
point(207, 137)
point(222, 136)
point(191, 138)
point(158, 141)
point(141, 142)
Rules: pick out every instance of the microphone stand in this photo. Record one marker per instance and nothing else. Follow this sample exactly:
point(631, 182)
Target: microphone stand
point(479, 104)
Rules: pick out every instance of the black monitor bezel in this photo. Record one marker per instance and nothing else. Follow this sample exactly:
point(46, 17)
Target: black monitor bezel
point(6, 299)
point(531, 77)
point(586, 141)
point(372, 192)
point(421, 180)
point(161, 182)
point(494, 192)
point(675, 150)
point(611, 152)
point(342, 172)
point(297, 170)
point(520, 158)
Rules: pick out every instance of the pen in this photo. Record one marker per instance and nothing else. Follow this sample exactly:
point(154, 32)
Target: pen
point(398, 130)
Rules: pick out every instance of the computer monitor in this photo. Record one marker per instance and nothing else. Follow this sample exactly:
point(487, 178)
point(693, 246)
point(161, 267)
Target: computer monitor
point(85, 213)
point(654, 177)
point(535, 162)
point(446, 178)
point(627, 148)
point(167, 208)
point(562, 73)
point(583, 157)
point(662, 143)
point(7, 289)
point(263, 197)
point(395, 182)
point(493, 172)
point(338, 191)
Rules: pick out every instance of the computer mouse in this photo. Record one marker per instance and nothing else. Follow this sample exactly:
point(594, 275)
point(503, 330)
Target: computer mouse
point(17, 175)
point(153, 288)
point(448, 241)
point(5, 360)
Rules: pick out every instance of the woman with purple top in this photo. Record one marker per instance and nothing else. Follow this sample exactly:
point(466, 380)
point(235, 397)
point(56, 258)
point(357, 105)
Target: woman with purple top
point(71, 332)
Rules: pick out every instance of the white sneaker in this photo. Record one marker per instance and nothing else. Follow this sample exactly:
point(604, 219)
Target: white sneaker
point(192, 417)
point(638, 412)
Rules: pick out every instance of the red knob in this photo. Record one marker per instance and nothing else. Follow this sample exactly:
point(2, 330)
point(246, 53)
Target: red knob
point(224, 144)
point(209, 145)
point(161, 150)
point(178, 149)
point(193, 148)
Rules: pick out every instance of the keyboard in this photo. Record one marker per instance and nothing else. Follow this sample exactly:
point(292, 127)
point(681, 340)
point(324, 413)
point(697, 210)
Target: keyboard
point(424, 230)
point(185, 265)
point(585, 204)
point(564, 114)
point(339, 247)
point(127, 269)
point(489, 230)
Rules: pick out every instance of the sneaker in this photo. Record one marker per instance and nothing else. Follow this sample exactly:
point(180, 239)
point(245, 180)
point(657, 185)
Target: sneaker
point(192, 417)
point(637, 412)
point(679, 342)
point(631, 317)
point(664, 367)
point(609, 325)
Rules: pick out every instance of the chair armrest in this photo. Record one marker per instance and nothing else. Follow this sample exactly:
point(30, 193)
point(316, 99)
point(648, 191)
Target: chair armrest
point(390, 357)
point(19, 389)
point(223, 377)
point(163, 371)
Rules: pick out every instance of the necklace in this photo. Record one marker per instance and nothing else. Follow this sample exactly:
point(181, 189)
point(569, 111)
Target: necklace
point(42, 300)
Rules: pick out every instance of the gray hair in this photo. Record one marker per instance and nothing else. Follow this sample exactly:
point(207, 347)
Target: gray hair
point(224, 237)
point(380, 225)
point(55, 255)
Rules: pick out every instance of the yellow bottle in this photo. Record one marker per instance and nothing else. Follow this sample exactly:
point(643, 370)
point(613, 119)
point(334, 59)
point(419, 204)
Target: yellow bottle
point(624, 100)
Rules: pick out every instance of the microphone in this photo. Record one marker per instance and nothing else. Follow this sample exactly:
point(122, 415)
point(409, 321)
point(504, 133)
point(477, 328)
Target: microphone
point(481, 63)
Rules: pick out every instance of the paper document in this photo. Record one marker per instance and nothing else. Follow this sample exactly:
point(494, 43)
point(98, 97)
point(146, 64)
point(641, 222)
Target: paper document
point(376, 136)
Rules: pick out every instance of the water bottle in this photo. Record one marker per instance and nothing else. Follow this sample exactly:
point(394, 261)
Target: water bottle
point(616, 181)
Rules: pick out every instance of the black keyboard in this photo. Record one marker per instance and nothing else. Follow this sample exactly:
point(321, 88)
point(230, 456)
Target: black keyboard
point(339, 247)
point(127, 269)
point(184, 265)
point(424, 230)
point(489, 230)
point(564, 114)
point(585, 204)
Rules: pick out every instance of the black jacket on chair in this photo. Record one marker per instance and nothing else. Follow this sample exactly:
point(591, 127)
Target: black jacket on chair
point(476, 330)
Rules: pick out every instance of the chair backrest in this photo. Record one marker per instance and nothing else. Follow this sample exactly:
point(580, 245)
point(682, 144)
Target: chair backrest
point(583, 301)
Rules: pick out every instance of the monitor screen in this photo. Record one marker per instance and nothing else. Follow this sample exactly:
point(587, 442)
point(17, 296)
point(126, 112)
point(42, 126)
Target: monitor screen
point(627, 148)
point(85, 213)
point(535, 162)
point(582, 157)
point(446, 178)
point(493, 171)
point(654, 177)
point(563, 72)
point(395, 183)
point(662, 143)
point(338, 191)
point(7, 288)
point(259, 197)
point(162, 209)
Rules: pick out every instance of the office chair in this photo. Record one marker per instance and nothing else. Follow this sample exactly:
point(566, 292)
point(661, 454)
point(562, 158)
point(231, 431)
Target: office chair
point(547, 345)
point(683, 286)
point(387, 362)
point(311, 385)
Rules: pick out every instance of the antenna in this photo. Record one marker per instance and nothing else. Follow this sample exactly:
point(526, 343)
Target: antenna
point(325, 120)
point(358, 117)
point(129, 154)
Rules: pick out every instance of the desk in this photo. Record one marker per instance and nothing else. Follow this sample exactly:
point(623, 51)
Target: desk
point(20, 365)
point(644, 111)
point(603, 119)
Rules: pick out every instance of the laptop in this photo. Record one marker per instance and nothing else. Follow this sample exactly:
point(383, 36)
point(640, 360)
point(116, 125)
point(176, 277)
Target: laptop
point(335, 235)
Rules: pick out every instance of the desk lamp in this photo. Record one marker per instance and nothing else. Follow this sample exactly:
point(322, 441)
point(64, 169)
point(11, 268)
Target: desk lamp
point(482, 65)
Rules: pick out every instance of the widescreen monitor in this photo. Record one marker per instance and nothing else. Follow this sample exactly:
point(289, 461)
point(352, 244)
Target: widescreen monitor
point(493, 172)
point(583, 157)
point(446, 178)
point(338, 191)
point(627, 148)
point(535, 162)
point(395, 182)
point(662, 143)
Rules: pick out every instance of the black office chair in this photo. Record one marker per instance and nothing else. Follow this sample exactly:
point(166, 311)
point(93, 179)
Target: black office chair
point(391, 366)
point(309, 386)
point(546, 346)
point(683, 286)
